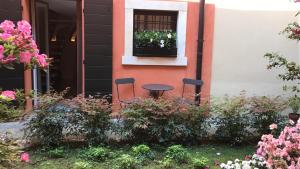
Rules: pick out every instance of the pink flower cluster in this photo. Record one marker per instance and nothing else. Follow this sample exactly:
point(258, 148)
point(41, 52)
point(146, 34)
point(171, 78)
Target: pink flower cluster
point(8, 95)
point(18, 46)
point(285, 148)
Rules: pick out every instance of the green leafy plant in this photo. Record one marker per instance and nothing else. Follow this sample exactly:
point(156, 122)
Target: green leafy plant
point(167, 163)
point(53, 116)
point(82, 165)
point(199, 163)
point(163, 121)
point(231, 119)
point(142, 153)
point(96, 153)
point(294, 103)
point(126, 161)
point(9, 152)
point(56, 153)
point(266, 111)
point(97, 111)
point(155, 39)
point(177, 153)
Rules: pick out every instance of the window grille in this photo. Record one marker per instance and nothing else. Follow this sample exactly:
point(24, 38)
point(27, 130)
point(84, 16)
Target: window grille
point(154, 20)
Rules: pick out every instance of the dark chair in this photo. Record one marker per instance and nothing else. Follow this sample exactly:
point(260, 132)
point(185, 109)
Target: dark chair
point(125, 81)
point(195, 83)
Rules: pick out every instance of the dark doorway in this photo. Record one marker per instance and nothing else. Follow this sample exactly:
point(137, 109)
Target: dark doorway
point(56, 23)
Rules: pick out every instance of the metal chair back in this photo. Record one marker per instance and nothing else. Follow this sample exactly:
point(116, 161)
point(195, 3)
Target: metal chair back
point(125, 81)
point(195, 83)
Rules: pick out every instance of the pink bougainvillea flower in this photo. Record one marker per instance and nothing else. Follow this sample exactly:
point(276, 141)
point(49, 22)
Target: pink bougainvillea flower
point(7, 26)
point(24, 27)
point(273, 126)
point(5, 36)
point(24, 157)
point(41, 59)
point(8, 59)
point(25, 57)
point(8, 95)
point(1, 52)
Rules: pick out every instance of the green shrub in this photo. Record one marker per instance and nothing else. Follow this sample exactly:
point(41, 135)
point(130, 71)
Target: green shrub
point(153, 39)
point(96, 153)
point(82, 165)
point(294, 103)
point(56, 153)
point(126, 161)
point(8, 152)
point(142, 153)
point(177, 153)
point(231, 119)
point(167, 163)
point(97, 112)
point(199, 163)
point(163, 121)
point(78, 116)
point(266, 111)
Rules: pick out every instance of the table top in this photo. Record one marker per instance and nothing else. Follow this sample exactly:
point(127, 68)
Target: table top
point(158, 87)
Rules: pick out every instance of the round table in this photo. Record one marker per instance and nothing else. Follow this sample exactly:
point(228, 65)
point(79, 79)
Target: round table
point(157, 90)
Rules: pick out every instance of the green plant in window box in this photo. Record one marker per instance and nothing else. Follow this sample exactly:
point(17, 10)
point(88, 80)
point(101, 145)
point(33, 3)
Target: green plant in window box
point(155, 43)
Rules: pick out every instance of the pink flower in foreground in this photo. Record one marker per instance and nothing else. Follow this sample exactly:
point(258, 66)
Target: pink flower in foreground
point(41, 59)
point(24, 27)
point(24, 157)
point(273, 126)
point(5, 36)
point(8, 95)
point(1, 52)
point(8, 59)
point(25, 57)
point(7, 26)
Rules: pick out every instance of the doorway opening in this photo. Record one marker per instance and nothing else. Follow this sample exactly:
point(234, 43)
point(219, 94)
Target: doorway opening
point(57, 30)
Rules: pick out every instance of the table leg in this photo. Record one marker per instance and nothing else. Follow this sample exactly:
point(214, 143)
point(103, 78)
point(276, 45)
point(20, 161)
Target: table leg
point(154, 94)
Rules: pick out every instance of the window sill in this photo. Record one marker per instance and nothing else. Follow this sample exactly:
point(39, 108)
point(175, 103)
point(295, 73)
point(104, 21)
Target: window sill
point(159, 61)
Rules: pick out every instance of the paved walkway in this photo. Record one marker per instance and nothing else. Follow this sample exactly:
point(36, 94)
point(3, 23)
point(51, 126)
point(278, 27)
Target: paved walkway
point(14, 128)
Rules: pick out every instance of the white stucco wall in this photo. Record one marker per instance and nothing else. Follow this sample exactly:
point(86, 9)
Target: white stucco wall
point(243, 34)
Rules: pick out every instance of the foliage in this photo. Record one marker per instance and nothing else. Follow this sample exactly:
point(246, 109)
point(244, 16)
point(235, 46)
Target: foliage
point(8, 152)
point(167, 163)
point(17, 46)
point(82, 165)
point(178, 154)
point(232, 120)
point(142, 153)
point(96, 153)
point(266, 111)
point(291, 70)
point(155, 39)
point(97, 113)
point(254, 162)
point(11, 104)
point(57, 118)
point(163, 121)
point(52, 117)
point(126, 161)
point(294, 103)
point(200, 163)
point(56, 153)
point(283, 150)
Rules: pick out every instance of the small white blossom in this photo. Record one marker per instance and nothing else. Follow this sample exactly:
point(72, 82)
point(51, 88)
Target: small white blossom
point(218, 154)
point(151, 40)
point(162, 45)
point(169, 36)
point(162, 41)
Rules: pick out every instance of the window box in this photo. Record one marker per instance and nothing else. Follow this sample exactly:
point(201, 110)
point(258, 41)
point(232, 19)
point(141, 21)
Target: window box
point(150, 52)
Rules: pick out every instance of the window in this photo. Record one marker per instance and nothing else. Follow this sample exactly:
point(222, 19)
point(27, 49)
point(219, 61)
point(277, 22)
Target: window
point(166, 9)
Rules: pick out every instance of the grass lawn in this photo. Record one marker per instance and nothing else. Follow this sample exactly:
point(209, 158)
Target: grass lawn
point(40, 160)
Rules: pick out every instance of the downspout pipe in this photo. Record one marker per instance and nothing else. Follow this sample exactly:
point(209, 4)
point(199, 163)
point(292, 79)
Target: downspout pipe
point(200, 47)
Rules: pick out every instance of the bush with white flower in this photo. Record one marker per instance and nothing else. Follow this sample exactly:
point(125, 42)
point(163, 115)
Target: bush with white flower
point(256, 162)
point(17, 46)
point(155, 39)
